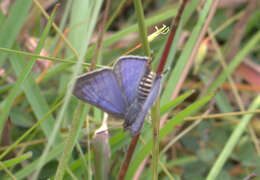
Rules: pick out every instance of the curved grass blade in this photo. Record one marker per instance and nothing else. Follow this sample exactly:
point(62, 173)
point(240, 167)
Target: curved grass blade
point(232, 141)
point(34, 96)
point(250, 45)
point(183, 59)
point(12, 95)
point(14, 161)
point(171, 105)
point(167, 128)
point(12, 25)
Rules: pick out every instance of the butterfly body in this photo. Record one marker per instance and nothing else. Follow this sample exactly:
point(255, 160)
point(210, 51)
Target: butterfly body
point(145, 86)
point(127, 91)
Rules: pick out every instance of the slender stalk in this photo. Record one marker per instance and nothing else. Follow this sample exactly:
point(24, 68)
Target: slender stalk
point(9, 173)
point(70, 142)
point(60, 33)
point(27, 69)
point(232, 141)
point(100, 37)
point(54, 59)
point(28, 132)
point(142, 27)
point(99, 143)
point(155, 150)
point(222, 115)
point(114, 15)
point(146, 48)
point(156, 108)
point(87, 34)
point(101, 151)
point(128, 158)
point(171, 37)
point(90, 173)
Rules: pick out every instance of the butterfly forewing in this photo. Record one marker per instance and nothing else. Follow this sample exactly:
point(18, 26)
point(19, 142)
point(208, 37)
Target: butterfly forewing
point(117, 91)
point(101, 89)
point(129, 70)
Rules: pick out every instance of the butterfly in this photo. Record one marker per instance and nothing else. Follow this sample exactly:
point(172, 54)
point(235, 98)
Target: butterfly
point(126, 91)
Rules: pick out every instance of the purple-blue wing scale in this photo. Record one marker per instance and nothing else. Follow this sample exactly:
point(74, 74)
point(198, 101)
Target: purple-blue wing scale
point(129, 71)
point(100, 88)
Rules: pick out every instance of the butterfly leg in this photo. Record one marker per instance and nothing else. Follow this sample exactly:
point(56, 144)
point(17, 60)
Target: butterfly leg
point(166, 70)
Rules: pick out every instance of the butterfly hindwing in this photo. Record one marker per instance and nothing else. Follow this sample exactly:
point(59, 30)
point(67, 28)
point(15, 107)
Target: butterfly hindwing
point(136, 126)
point(101, 89)
point(129, 70)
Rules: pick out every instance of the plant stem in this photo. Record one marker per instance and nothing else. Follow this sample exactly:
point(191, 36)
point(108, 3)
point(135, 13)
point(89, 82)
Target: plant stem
point(155, 150)
point(146, 48)
point(171, 37)
point(142, 27)
point(128, 158)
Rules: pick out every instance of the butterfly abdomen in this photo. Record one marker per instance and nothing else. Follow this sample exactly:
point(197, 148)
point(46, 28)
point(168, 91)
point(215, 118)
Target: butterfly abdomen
point(145, 86)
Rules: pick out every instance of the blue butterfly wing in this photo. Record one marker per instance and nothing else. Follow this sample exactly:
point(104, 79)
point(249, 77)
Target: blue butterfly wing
point(101, 89)
point(136, 126)
point(129, 70)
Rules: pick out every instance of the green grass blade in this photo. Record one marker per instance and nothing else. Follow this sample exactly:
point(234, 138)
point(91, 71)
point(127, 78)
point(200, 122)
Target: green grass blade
point(33, 94)
point(233, 140)
point(167, 128)
point(183, 59)
point(12, 95)
point(235, 62)
point(30, 168)
point(172, 104)
point(79, 117)
point(29, 130)
point(13, 24)
point(149, 22)
point(14, 161)
point(54, 59)
point(142, 27)
point(82, 51)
